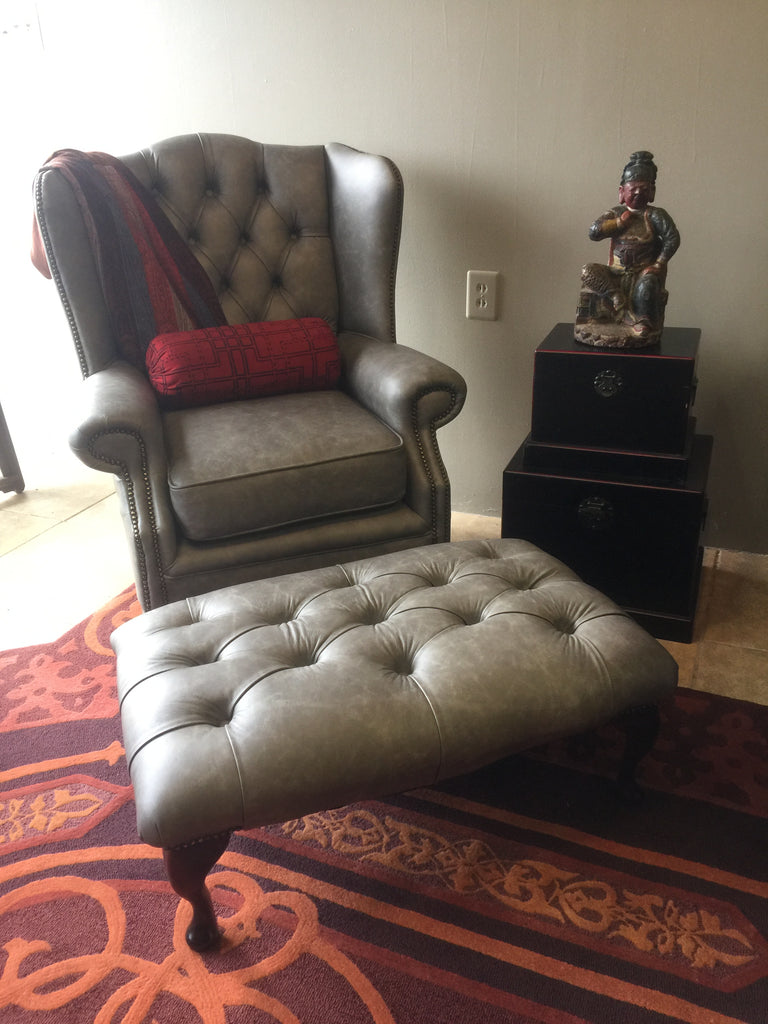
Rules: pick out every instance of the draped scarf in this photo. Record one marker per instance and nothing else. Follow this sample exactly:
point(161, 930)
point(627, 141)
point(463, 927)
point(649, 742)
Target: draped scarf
point(151, 281)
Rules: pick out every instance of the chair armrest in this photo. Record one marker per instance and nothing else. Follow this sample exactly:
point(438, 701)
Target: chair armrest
point(407, 389)
point(415, 395)
point(120, 420)
point(121, 432)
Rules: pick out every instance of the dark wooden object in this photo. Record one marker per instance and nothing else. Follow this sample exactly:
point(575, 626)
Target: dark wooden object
point(612, 478)
point(641, 730)
point(636, 541)
point(636, 401)
point(11, 478)
point(187, 867)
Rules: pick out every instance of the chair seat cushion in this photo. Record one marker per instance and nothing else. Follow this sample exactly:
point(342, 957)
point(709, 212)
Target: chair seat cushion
point(223, 364)
point(299, 457)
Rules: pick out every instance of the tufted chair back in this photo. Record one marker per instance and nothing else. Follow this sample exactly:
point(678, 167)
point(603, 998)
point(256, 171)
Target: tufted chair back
point(249, 489)
point(278, 229)
point(256, 217)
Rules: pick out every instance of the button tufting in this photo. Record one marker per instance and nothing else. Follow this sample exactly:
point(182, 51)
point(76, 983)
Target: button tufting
point(372, 618)
point(429, 696)
point(474, 618)
point(566, 628)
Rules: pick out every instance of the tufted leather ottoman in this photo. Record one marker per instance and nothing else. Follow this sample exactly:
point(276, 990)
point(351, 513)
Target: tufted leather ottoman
point(270, 700)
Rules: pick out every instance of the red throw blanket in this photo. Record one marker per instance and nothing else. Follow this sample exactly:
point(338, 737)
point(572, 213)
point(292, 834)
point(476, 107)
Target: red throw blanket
point(151, 281)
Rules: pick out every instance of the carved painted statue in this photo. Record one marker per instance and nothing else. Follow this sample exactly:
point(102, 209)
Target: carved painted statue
point(622, 304)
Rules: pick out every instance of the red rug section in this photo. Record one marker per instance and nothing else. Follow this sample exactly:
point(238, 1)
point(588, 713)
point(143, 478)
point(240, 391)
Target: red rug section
point(521, 894)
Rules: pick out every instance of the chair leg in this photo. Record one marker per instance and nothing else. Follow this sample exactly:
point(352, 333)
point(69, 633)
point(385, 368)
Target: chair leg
point(187, 867)
point(641, 726)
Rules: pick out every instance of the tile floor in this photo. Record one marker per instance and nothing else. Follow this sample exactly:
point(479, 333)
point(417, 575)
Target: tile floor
point(63, 555)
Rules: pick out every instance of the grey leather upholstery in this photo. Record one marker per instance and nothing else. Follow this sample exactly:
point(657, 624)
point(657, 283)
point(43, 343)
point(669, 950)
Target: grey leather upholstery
point(250, 490)
point(274, 699)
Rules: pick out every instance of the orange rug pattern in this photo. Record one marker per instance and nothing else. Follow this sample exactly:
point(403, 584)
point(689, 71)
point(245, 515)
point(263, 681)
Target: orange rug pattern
point(521, 894)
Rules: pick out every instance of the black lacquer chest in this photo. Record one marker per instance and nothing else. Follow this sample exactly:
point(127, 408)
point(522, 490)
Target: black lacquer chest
point(612, 478)
point(638, 400)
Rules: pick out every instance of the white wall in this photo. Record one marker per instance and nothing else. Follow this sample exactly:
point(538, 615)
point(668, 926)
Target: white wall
point(511, 121)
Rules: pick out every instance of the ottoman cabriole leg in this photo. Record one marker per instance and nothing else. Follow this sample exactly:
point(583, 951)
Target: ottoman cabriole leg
point(187, 867)
point(641, 727)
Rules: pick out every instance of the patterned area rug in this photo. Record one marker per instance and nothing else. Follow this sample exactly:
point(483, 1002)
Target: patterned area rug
point(521, 894)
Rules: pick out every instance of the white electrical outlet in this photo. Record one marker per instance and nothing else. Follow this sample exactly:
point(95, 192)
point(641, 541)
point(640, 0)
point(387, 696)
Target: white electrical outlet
point(481, 294)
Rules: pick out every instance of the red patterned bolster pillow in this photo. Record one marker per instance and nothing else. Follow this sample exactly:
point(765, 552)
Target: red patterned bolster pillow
point(222, 364)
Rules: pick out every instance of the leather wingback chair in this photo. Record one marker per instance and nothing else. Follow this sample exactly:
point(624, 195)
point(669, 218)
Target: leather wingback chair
point(249, 489)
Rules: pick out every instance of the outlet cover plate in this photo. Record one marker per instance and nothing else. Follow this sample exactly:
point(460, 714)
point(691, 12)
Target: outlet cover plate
point(482, 291)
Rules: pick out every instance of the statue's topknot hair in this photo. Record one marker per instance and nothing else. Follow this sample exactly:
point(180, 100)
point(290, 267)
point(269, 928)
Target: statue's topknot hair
point(640, 165)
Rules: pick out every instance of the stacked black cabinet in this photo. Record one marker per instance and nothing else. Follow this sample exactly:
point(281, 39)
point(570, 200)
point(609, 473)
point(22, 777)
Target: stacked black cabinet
point(612, 478)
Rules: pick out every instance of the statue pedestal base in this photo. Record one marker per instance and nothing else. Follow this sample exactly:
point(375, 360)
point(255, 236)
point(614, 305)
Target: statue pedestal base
point(613, 335)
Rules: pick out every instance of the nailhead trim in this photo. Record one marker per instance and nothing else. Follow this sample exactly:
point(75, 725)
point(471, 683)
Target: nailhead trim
point(125, 476)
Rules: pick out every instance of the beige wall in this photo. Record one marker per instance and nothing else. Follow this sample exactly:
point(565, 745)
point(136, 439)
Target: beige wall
point(510, 121)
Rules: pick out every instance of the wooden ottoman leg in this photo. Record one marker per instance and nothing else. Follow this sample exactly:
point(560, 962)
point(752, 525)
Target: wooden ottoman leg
point(187, 867)
point(641, 726)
